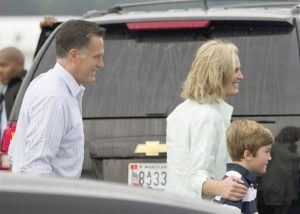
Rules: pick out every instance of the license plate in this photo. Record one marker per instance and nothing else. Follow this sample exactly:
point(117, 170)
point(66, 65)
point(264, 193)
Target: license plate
point(147, 175)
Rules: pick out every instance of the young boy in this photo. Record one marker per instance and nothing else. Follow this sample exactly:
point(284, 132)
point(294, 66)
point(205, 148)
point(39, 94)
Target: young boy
point(249, 145)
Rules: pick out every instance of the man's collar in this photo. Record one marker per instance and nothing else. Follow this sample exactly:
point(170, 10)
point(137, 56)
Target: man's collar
point(4, 89)
point(70, 81)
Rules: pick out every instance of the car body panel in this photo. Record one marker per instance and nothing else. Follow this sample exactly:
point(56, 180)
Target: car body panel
point(36, 194)
point(196, 14)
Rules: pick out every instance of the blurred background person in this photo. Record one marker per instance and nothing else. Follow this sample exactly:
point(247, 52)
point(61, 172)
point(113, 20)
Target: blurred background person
point(47, 25)
point(11, 75)
point(278, 187)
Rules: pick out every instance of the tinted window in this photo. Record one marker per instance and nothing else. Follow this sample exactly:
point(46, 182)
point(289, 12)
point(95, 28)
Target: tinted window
point(142, 74)
point(144, 71)
point(270, 64)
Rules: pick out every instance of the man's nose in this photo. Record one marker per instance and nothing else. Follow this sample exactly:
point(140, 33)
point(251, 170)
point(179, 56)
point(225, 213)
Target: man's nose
point(100, 64)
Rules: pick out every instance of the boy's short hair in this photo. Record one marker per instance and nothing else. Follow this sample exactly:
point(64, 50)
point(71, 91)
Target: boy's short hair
point(245, 135)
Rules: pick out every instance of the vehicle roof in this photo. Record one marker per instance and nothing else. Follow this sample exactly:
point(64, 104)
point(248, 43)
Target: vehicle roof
point(285, 14)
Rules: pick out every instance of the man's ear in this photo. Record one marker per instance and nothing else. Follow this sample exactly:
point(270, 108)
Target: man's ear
point(248, 155)
point(73, 54)
point(18, 67)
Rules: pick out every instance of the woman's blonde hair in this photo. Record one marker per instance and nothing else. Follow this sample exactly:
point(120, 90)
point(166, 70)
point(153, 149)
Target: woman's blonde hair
point(212, 68)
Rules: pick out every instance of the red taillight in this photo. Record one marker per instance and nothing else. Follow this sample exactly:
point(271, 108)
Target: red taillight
point(7, 136)
point(6, 140)
point(167, 25)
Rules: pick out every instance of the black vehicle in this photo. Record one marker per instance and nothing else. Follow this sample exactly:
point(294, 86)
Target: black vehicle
point(147, 57)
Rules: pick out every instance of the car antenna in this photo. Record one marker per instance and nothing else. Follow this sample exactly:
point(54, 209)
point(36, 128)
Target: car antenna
point(119, 7)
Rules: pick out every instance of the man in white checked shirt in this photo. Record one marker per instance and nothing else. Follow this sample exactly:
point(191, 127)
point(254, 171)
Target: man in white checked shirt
point(49, 138)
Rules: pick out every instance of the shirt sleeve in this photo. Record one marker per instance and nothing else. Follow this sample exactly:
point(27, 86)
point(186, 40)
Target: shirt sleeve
point(43, 135)
point(205, 140)
point(236, 206)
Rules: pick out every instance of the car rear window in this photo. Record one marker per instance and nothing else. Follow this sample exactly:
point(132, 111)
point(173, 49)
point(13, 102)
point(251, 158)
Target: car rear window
point(144, 70)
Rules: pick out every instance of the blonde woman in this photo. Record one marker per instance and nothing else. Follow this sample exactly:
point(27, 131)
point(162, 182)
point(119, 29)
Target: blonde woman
point(196, 129)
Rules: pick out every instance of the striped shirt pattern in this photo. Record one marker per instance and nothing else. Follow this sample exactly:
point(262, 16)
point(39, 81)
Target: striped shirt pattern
point(248, 204)
point(49, 138)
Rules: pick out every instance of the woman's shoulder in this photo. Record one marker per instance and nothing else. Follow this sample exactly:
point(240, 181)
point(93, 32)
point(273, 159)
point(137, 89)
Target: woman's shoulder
point(190, 108)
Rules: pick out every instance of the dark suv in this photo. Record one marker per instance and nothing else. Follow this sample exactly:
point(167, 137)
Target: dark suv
point(147, 57)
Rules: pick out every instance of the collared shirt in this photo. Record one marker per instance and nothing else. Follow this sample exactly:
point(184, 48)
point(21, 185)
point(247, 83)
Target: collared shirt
point(196, 140)
point(248, 204)
point(3, 112)
point(49, 138)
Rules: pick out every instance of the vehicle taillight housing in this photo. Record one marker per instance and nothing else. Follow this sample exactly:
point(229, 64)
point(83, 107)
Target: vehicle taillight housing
point(168, 25)
point(6, 140)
